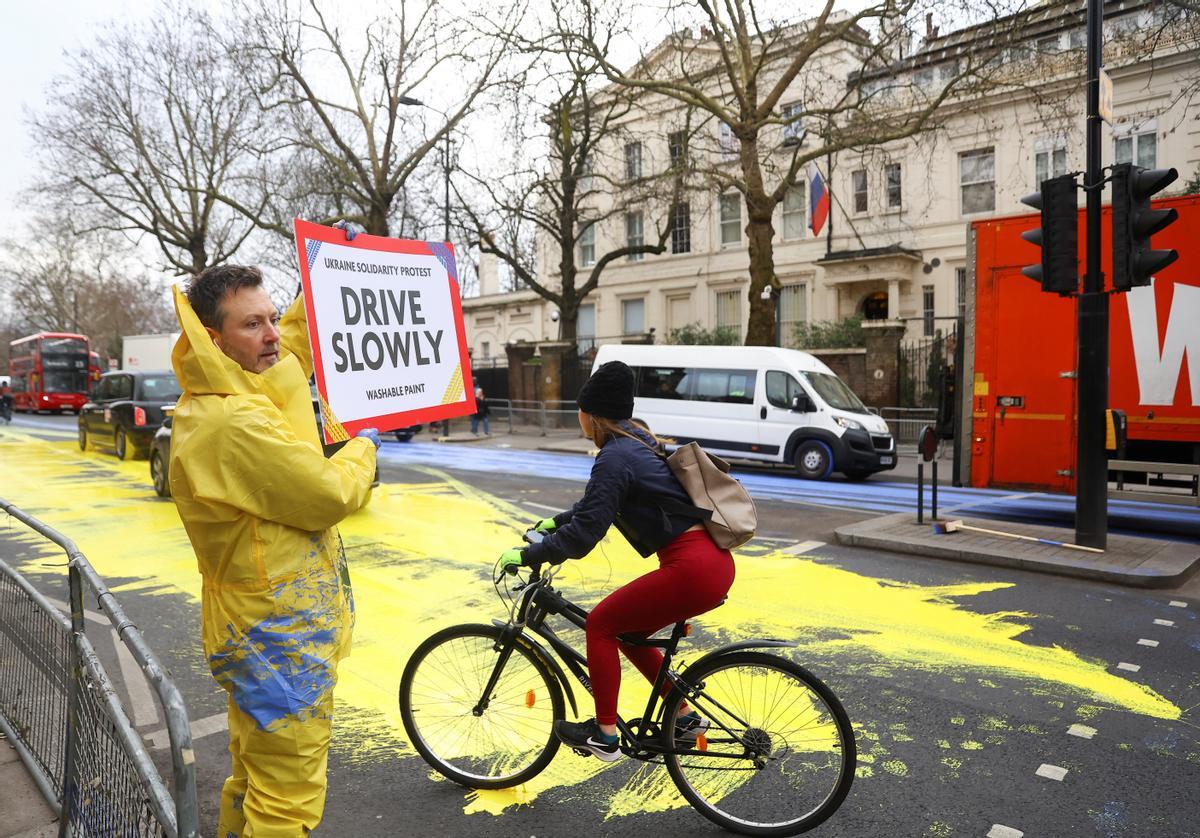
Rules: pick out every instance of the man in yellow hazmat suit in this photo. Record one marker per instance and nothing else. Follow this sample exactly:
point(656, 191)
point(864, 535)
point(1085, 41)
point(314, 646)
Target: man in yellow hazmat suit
point(259, 502)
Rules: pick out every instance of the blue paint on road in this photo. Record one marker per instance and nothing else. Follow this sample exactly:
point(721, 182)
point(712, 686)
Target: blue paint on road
point(874, 495)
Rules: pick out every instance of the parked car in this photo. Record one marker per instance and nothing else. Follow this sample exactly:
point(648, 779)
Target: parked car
point(125, 410)
point(160, 449)
point(406, 434)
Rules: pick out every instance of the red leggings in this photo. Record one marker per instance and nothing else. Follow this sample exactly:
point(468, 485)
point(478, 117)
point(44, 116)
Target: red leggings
point(693, 576)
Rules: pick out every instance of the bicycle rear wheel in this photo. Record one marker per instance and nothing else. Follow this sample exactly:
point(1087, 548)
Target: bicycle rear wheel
point(778, 756)
point(504, 744)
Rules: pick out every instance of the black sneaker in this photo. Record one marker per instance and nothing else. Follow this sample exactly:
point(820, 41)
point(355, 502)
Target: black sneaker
point(689, 727)
point(586, 737)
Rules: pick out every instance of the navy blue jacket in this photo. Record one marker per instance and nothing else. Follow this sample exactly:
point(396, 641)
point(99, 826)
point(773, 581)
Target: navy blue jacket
point(626, 479)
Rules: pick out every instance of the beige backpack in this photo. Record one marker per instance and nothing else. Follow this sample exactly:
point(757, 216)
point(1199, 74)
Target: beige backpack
point(732, 518)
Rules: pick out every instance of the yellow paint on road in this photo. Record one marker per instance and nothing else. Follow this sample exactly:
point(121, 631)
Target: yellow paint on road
point(421, 556)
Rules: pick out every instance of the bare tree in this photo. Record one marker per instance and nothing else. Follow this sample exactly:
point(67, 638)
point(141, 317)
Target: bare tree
point(743, 68)
point(67, 280)
point(141, 131)
point(347, 105)
point(576, 169)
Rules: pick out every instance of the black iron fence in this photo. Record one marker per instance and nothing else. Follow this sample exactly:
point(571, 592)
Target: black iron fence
point(927, 371)
point(60, 711)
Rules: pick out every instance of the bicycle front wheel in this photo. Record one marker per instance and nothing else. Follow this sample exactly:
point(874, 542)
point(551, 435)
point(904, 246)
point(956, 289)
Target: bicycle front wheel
point(484, 743)
point(778, 755)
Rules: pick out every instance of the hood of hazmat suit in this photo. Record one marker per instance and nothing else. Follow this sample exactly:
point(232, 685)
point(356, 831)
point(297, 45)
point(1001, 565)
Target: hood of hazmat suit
point(259, 501)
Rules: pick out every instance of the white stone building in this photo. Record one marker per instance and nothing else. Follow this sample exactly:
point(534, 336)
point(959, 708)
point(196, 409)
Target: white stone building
point(900, 212)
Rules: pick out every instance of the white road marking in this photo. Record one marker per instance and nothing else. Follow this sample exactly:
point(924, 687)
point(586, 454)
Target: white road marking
point(1177, 604)
point(1051, 772)
point(1082, 731)
point(803, 547)
point(999, 830)
point(1164, 622)
point(540, 506)
point(1144, 642)
point(141, 699)
point(1128, 667)
point(207, 726)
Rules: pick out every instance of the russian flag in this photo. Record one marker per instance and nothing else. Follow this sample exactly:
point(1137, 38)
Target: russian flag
point(818, 201)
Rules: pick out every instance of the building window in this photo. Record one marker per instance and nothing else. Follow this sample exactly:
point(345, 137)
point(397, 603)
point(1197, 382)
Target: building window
point(795, 211)
point(681, 228)
point(585, 328)
point(587, 246)
point(1141, 149)
point(1048, 45)
point(894, 193)
point(634, 235)
point(793, 310)
point(729, 143)
point(858, 181)
point(485, 349)
point(633, 161)
point(729, 312)
point(1048, 164)
point(585, 174)
point(633, 317)
point(793, 127)
point(977, 180)
point(731, 218)
point(960, 290)
point(927, 309)
point(677, 148)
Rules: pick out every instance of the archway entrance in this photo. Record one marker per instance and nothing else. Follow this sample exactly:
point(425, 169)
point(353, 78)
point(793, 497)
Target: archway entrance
point(875, 306)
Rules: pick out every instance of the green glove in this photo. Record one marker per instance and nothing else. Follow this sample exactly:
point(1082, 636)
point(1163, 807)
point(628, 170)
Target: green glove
point(546, 525)
point(511, 560)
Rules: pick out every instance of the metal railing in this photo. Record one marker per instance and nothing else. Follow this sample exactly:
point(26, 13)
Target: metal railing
point(905, 423)
point(61, 712)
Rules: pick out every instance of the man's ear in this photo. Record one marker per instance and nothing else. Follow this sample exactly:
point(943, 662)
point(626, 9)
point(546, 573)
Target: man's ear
point(215, 336)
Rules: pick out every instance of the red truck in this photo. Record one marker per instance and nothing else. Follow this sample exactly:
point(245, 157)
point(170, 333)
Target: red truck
point(1019, 356)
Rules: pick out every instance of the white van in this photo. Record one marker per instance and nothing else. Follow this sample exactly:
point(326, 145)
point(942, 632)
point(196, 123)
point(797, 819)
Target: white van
point(756, 403)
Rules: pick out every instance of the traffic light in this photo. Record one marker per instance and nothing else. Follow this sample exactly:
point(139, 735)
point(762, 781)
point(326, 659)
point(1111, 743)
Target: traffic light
point(1058, 237)
point(1133, 223)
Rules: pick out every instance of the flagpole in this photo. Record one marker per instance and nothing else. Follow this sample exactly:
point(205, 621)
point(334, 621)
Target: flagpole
point(829, 190)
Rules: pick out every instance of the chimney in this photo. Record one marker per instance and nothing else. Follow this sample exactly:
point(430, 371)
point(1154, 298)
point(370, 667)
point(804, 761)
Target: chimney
point(489, 275)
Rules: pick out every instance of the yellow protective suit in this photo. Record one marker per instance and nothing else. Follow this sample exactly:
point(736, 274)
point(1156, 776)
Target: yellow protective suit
point(259, 502)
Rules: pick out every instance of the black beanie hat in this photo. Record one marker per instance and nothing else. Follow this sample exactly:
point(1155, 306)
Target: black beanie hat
point(609, 392)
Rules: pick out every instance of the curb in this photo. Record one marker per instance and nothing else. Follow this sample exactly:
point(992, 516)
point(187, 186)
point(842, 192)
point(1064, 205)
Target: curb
point(1171, 564)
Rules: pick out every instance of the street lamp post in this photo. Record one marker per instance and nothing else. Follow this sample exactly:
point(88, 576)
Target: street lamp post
point(409, 100)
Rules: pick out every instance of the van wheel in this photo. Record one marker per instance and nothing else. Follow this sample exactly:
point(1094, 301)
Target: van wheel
point(814, 460)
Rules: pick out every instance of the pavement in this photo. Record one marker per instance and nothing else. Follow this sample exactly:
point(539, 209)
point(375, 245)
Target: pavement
point(23, 811)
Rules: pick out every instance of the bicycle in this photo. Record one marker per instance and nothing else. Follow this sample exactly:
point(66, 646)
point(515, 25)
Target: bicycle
point(479, 703)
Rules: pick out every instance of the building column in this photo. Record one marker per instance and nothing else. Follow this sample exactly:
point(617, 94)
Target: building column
point(893, 299)
point(518, 354)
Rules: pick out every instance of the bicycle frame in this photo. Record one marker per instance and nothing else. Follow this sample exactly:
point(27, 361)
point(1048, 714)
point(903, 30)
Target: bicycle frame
point(539, 601)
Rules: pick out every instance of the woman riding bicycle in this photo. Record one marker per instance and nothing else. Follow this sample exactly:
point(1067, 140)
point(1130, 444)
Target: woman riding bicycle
point(693, 574)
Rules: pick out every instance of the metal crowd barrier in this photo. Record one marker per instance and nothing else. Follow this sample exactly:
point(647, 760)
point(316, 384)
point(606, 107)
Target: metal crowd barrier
point(60, 711)
point(905, 423)
point(547, 416)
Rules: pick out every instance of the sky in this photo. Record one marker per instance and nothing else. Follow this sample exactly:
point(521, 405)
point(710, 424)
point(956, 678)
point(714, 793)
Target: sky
point(32, 42)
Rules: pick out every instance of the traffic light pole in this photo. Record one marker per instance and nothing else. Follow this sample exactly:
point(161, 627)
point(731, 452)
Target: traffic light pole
point(1091, 476)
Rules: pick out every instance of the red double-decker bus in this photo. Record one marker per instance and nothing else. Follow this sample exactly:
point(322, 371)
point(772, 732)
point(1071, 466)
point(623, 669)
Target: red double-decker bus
point(49, 371)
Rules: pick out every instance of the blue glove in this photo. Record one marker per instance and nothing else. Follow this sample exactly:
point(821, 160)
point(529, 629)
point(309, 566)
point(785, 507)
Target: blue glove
point(347, 227)
point(511, 560)
point(371, 434)
point(545, 525)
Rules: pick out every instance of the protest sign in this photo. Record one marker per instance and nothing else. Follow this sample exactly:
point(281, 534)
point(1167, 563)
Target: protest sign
point(386, 328)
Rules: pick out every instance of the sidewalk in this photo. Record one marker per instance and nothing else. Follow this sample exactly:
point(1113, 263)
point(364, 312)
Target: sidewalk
point(24, 812)
point(1129, 560)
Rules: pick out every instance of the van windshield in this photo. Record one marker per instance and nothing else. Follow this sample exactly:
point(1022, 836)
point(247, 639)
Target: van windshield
point(834, 392)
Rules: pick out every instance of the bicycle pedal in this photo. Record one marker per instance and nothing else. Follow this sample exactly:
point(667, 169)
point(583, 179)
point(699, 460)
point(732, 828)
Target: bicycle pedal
point(583, 752)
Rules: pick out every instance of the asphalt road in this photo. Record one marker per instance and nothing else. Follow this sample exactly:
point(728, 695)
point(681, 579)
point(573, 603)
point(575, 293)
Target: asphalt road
point(963, 682)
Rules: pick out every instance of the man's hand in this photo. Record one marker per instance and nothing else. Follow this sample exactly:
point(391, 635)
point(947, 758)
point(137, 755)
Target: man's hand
point(545, 525)
point(511, 560)
point(349, 229)
point(371, 434)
